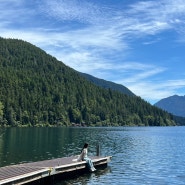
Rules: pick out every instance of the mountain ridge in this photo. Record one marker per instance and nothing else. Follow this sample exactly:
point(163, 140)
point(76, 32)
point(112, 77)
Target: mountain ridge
point(174, 104)
point(108, 84)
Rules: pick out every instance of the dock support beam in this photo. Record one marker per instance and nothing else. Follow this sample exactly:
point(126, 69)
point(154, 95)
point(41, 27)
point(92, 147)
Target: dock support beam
point(98, 150)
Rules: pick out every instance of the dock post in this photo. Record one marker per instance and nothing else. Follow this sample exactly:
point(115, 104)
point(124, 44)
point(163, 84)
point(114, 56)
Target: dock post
point(98, 150)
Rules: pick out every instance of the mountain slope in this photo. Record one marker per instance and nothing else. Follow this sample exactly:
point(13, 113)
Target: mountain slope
point(35, 89)
point(108, 85)
point(173, 104)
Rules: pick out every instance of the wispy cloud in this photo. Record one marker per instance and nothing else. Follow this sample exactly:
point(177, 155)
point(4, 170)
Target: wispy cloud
point(73, 10)
point(167, 11)
point(143, 75)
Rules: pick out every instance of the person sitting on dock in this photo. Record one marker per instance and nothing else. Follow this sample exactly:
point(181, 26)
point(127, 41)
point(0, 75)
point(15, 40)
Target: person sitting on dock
point(83, 156)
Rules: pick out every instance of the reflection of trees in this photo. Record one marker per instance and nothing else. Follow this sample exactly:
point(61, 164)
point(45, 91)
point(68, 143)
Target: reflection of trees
point(2, 131)
point(19, 145)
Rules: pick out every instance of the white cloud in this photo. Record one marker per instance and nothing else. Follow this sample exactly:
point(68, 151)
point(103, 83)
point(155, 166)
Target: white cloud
point(175, 84)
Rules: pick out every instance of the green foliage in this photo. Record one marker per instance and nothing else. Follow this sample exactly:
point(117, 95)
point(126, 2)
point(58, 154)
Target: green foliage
point(1, 109)
point(38, 90)
point(179, 120)
point(1, 113)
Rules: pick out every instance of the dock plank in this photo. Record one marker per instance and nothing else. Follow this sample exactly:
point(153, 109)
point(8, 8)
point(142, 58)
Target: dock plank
point(13, 171)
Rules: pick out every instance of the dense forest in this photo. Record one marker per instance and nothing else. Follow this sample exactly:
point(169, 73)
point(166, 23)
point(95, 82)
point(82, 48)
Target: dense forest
point(36, 89)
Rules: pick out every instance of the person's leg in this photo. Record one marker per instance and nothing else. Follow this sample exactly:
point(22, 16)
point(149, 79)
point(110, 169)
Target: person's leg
point(90, 164)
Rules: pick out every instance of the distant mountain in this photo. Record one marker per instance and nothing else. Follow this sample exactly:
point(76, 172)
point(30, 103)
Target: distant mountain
point(173, 104)
point(108, 85)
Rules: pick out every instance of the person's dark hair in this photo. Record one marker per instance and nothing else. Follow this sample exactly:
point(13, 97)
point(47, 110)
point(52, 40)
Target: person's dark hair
point(85, 146)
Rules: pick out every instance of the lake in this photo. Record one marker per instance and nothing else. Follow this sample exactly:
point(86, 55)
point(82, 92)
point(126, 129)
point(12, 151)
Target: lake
point(140, 155)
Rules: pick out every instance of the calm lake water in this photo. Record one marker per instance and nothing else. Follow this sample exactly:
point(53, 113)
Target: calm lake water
point(140, 155)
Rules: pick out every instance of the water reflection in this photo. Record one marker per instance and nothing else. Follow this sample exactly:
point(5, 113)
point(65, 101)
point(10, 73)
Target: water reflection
point(18, 145)
point(89, 178)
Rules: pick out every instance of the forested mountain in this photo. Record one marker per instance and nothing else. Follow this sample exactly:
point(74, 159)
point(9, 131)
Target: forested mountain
point(108, 85)
point(173, 104)
point(35, 89)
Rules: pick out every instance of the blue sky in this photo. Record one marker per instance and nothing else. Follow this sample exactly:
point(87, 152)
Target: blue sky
point(137, 43)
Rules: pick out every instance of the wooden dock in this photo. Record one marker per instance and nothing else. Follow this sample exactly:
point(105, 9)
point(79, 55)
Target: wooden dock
point(37, 171)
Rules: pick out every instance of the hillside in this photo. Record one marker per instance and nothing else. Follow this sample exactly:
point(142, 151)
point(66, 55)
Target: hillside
point(108, 85)
point(36, 89)
point(173, 104)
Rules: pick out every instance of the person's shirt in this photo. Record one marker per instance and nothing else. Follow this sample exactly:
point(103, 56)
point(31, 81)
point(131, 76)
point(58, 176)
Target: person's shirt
point(83, 155)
